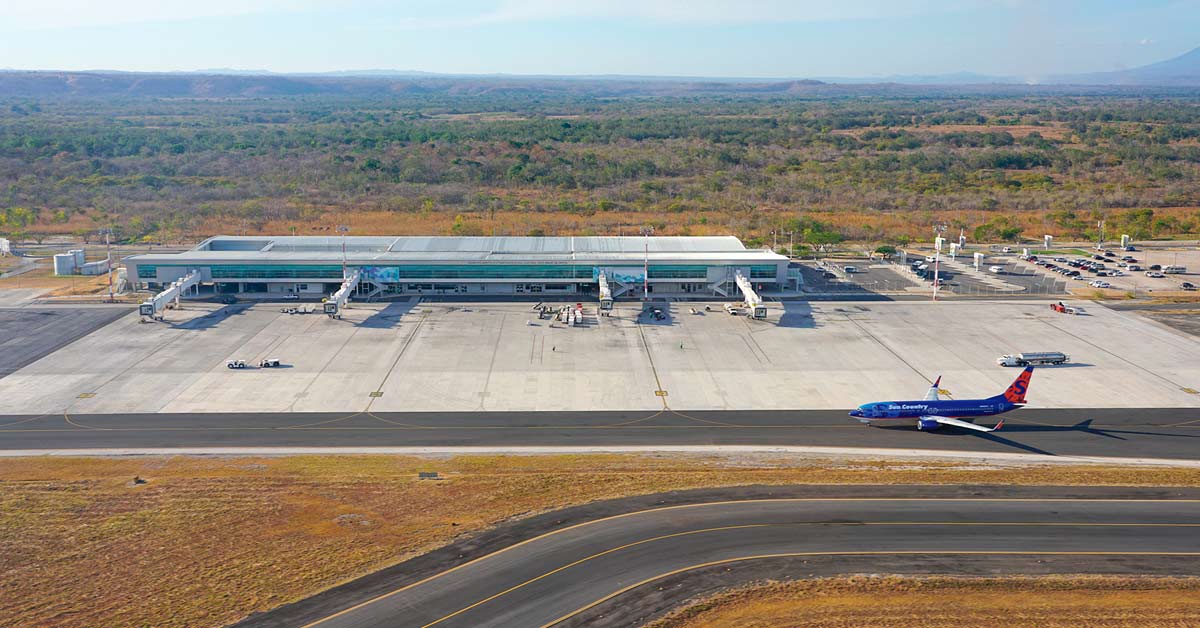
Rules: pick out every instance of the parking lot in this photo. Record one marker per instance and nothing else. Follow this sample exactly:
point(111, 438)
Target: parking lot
point(1149, 276)
point(419, 356)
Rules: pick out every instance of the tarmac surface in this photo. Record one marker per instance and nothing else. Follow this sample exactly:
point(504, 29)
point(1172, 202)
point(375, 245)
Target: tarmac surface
point(410, 357)
point(625, 561)
point(1128, 433)
point(29, 334)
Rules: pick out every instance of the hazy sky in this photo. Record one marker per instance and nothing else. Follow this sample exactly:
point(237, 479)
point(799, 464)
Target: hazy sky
point(750, 38)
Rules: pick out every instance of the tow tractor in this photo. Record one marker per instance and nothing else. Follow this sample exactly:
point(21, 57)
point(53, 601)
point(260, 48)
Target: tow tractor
point(269, 363)
point(235, 364)
point(1063, 308)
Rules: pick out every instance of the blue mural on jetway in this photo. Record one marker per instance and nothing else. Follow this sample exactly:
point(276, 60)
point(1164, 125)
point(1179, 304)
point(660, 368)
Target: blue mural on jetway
point(626, 274)
point(381, 274)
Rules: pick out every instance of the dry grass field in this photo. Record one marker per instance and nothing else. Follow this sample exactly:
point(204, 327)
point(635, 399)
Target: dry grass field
point(43, 277)
point(887, 602)
point(205, 541)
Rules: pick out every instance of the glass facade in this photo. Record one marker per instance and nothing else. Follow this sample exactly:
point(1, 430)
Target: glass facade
point(445, 271)
point(766, 271)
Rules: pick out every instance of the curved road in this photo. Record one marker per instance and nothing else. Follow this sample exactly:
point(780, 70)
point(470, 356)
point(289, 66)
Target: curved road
point(553, 578)
point(1126, 432)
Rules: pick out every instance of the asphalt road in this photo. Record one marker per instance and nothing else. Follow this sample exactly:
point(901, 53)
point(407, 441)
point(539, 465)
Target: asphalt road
point(560, 575)
point(1150, 432)
point(30, 333)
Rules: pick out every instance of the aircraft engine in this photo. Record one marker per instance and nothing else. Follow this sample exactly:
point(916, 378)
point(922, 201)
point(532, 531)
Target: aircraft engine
point(927, 424)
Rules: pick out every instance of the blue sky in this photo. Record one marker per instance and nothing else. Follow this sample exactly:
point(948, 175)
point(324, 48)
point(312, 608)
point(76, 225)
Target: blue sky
point(750, 38)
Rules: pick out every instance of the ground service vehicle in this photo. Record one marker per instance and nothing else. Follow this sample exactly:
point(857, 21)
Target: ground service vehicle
point(1033, 359)
point(733, 311)
point(1063, 308)
point(269, 363)
point(235, 364)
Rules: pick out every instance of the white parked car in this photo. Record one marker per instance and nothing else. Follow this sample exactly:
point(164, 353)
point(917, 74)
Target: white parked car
point(998, 270)
point(1100, 284)
point(1155, 274)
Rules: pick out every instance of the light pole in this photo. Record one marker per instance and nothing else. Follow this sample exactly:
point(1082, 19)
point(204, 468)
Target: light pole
point(791, 247)
point(1100, 236)
point(938, 230)
point(646, 231)
point(343, 229)
point(108, 253)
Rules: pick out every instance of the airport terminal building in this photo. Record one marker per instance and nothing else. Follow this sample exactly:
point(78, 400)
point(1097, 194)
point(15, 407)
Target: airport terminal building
point(481, 266)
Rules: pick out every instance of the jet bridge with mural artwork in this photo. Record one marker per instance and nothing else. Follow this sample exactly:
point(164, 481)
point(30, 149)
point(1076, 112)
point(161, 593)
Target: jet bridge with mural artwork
point(754, 302)
point(155, 305)
point(606, 297)
point(336, 302)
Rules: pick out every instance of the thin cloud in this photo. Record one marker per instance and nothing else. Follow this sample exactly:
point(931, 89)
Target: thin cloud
point(714, 12)
point(42, 14)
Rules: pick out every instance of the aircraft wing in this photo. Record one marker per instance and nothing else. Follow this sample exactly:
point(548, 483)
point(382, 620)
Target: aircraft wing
point(932, 395)
point(963, 424)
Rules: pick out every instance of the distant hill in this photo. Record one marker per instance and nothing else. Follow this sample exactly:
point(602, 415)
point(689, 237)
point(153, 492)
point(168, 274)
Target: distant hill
point(1181, 70)
point(195, 85)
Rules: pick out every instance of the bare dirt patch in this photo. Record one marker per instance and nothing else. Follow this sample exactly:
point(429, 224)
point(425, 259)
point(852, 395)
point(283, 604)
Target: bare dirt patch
point(206, 541)
point(1065, 602)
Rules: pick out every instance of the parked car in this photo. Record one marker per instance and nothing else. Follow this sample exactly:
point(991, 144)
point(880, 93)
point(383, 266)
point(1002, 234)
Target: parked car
point(1155, 267)
point(291, 297)
point(849, 270)
point(1133, 268)
point(1187, 285)
point(1100, 284)
point(1154, 274)
point(1130, 248)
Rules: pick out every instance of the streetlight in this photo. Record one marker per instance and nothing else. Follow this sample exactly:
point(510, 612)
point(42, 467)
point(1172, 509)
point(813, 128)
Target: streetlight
point(106, 232)
point(938, 230)
point(342, 229)
point(791, 247)
point(646, 232)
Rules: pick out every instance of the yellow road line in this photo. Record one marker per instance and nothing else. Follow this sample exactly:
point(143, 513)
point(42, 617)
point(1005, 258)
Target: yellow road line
point(893, 553)
point(721, 503)
point(800, 523)
point(587, 558)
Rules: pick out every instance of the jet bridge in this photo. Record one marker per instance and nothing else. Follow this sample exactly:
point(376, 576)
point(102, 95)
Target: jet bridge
point(754, 302)
point(606, 297)
point(336, 302)
point(155, 305)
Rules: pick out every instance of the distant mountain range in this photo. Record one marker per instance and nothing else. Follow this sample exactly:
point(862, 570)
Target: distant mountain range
point(1181, 71)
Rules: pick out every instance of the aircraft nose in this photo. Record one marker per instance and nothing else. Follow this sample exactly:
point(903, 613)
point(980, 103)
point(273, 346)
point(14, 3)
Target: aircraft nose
point(856, 412)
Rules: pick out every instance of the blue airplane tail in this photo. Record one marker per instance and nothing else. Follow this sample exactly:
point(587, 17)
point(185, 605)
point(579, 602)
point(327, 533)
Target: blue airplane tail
point(1015, 393)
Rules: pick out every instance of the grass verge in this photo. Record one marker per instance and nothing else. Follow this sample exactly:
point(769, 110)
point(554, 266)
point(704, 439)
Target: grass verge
point(206, 541)
point(940, 602)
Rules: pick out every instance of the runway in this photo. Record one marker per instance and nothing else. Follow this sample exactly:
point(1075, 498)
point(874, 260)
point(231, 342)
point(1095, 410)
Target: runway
point(1128, 433)
point(571, 572)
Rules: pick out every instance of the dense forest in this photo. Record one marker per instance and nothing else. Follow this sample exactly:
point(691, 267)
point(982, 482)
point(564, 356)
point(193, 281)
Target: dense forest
point(871, 167)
